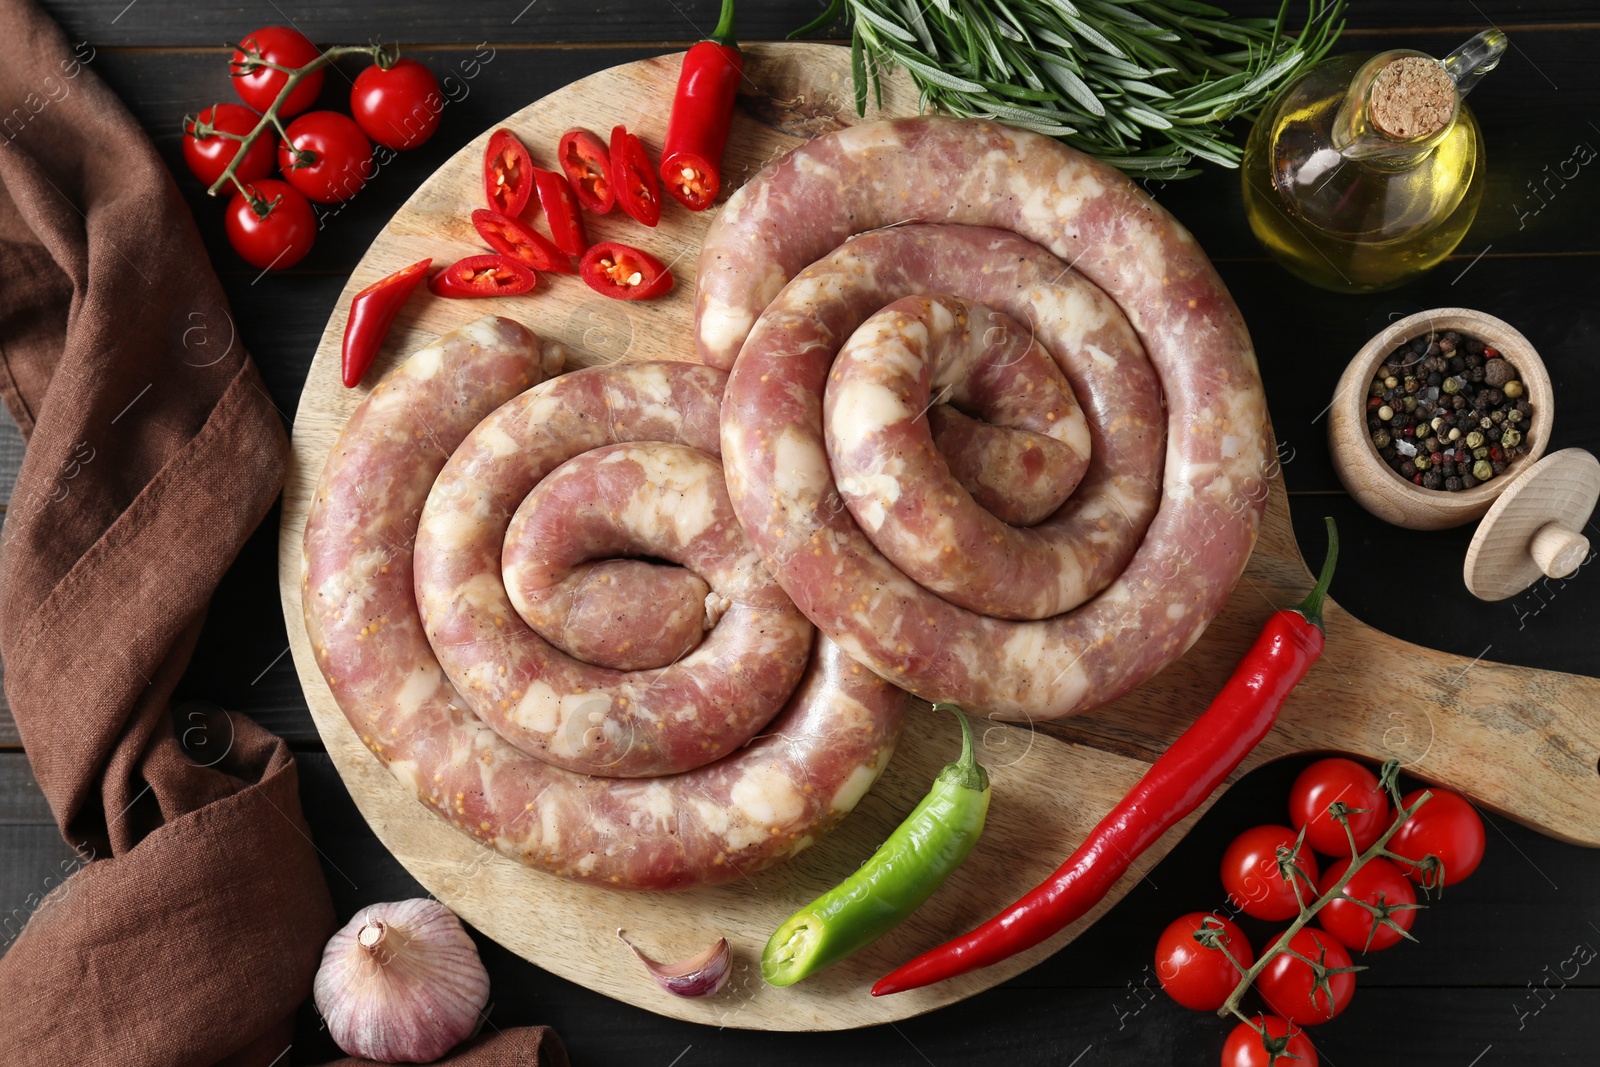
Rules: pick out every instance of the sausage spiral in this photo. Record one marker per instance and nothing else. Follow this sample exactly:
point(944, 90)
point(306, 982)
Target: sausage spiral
point(619, 460)
point(1027, 621)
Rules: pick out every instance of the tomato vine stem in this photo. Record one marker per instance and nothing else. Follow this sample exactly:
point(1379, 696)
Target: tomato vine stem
point(1308, 911)
point(270, 116)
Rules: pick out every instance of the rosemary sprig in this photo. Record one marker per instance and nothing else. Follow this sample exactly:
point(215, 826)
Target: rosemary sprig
point(1146, 85)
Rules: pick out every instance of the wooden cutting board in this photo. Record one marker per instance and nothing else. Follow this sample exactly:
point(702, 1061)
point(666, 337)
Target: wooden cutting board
point(1521, 742)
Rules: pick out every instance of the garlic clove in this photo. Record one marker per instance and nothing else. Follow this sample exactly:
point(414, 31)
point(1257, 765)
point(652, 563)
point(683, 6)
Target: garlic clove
point(401, 983)
point(701, 975)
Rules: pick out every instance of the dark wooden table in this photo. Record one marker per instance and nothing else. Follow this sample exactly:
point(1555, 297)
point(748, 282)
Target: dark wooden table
point(1484, 987)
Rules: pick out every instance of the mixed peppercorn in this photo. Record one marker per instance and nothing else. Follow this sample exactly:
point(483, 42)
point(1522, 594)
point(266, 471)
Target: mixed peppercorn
point(1446, 411)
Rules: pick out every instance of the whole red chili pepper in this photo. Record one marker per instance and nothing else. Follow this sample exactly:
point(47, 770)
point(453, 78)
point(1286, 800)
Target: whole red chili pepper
point(1196, 763)
point(702, 111)
point(372, 312)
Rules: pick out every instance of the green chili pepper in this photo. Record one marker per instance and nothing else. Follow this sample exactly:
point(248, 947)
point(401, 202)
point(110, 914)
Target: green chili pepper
point(922, 852)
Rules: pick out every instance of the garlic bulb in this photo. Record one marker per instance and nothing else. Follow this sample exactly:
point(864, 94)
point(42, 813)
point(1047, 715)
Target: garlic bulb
point(401, 983)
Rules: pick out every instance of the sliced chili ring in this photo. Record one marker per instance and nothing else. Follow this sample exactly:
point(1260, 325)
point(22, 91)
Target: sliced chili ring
point(478, 276)
point(511, 237)
point(638, 187)
point(622, 272)
point(586, 161)
point(561, 211)
point(507, 174)
point(692, 180)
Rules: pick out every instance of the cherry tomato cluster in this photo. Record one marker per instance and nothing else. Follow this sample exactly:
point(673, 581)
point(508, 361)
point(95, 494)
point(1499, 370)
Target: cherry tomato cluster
point(322, 156)
point(1272, 873)
point(594, 177)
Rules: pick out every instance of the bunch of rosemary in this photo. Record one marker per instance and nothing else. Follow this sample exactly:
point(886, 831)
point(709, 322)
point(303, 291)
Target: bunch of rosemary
point(1145, 85)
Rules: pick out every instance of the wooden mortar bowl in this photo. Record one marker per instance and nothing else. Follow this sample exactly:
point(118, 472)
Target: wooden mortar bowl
point(1362, 471)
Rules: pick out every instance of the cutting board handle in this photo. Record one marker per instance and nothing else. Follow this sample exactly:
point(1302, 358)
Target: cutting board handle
point(1520, 741)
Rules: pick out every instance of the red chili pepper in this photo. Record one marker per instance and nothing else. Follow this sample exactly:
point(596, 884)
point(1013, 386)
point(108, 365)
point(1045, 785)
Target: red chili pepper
point(372, 312)
point(586, 161)
point(520, 241)
point(561, 211)
point(507, 174)
point(623, 272)
point(702, 111)
point(1195, 764)
point(638, 190)
point(478, 276)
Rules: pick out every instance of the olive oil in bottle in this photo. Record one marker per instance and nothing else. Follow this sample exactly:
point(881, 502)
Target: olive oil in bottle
point(1367, 170)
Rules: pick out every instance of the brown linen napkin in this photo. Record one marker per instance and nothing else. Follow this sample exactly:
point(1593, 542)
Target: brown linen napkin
point(193, 931)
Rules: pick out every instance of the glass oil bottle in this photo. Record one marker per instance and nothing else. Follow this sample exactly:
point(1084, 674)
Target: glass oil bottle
point(1368, 169)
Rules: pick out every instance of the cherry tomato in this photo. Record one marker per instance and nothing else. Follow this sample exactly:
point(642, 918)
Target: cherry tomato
point(586, 161)
point(331, 160)
point(516, 239)
point(1290, 988)
point(1349, 783)
point(1446, 827)
point(399, 107)
point(638, 188)
point(1377, 882)
point(478, 276)
point(1254, 881)
point(507, 174)
point(1195, 975)
point(1246, 1047)
point(561, 211)
point(259, 87)
point(623, 272)
point(272, 228)
point(210, 155)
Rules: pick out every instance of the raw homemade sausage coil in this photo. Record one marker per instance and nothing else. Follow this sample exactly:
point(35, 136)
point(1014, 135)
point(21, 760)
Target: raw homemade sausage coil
point(887, 457)
point(593, 716)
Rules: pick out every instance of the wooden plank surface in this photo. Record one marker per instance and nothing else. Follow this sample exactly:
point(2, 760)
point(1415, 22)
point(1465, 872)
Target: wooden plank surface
point(552, 22)
point(34, 860)
point(11, 451)
point(1444, 1003)
point(161, 86)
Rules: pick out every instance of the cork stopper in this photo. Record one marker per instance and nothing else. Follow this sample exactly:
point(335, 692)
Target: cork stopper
point(1412, 97)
